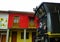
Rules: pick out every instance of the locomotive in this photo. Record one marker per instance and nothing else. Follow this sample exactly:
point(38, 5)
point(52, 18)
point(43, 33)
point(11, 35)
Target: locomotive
point(49, 14)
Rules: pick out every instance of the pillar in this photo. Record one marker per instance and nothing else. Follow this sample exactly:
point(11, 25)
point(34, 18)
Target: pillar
point(7, 37)
point(24, 35)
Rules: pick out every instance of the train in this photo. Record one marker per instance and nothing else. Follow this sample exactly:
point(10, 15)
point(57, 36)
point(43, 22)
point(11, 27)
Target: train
point(49, 14)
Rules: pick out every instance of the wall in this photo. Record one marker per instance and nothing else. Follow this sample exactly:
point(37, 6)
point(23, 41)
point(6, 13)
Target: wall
point(23, 20)
point(3, 20)
point(22, 40)
point(19, 36)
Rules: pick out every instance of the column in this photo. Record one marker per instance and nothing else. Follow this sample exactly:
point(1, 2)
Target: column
point(7, 37)
point(24, 35)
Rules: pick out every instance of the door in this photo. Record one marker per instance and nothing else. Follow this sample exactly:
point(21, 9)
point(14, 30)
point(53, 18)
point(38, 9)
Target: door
point(3, 39)
point(33, 36)
point(14, 36)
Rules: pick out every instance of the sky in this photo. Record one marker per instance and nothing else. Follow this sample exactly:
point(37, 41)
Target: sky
point(22, 5)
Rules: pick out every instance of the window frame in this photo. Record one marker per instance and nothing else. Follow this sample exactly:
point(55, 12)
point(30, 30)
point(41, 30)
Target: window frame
point(22, 35)
point(16, 19)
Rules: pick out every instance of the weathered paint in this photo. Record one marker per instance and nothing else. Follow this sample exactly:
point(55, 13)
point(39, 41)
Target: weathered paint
point(4, 20)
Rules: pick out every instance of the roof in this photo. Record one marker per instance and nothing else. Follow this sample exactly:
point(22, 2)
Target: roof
point(17, 12)
point(49, 3)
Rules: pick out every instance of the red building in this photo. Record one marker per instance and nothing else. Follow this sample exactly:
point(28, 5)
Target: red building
point(22, 19)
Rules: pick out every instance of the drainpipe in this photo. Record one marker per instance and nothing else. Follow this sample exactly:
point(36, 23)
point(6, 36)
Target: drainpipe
point(24, 35)
point(7, 37)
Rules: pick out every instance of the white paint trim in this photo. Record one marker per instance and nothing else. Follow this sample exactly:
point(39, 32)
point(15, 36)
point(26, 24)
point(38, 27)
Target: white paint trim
point(3, 29)
point(7, 37)
point(3, 33)
point(24, 35)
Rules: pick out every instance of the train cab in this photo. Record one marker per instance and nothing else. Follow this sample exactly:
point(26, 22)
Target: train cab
point(49, 13)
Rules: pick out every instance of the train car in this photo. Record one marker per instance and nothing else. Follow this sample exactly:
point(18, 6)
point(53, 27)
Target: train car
point(49, 14)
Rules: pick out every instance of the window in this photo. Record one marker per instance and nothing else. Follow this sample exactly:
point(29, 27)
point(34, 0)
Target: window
point(16, 19)
point(22, 35)
point(27, 35)
point(31, 18)
point(31, 22)
point(41, 12)
point(15, 22)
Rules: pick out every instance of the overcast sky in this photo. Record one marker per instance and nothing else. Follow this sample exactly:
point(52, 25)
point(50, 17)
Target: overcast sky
point(22, 5)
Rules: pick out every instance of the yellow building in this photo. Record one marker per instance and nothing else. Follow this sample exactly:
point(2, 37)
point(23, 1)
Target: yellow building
point(20, 36)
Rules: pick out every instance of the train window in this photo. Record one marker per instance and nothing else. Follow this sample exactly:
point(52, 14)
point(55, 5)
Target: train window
point(54, 10)
point(41, 12)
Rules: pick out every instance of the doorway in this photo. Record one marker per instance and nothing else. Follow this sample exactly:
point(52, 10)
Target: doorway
point(3, 37)
point(14, 36)
point(33, 36)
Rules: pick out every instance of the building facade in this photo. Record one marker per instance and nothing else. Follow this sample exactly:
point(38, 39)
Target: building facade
point(17, 26)
point(3, 26)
